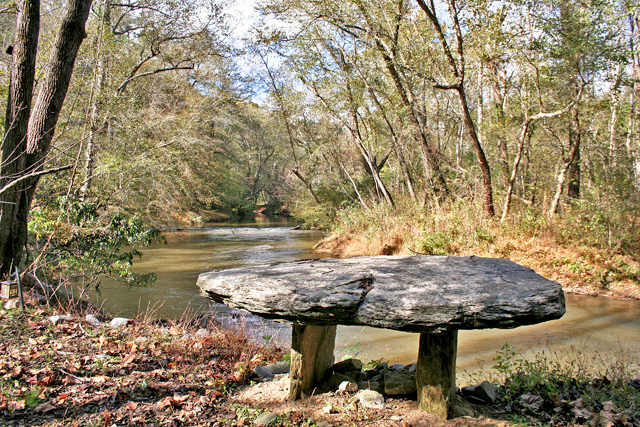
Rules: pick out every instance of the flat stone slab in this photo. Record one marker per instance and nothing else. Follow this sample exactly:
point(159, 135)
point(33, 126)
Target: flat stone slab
point(406, 293)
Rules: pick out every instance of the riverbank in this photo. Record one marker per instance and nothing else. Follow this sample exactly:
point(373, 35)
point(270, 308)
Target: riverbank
point(582, 250)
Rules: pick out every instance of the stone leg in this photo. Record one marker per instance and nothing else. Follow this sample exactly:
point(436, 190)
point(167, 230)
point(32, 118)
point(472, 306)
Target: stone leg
point(436, 372)
point(311, 355)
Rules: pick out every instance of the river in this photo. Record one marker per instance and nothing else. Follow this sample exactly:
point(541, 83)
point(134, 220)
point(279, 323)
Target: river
point(596, 328)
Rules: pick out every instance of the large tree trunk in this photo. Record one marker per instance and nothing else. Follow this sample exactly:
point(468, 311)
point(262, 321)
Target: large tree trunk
point(13, 216)
point(477, 146)
point(27, 154)
point(561, 177)
point(573, 188)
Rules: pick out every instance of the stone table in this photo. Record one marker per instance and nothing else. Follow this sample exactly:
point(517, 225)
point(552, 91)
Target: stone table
point(432, 295)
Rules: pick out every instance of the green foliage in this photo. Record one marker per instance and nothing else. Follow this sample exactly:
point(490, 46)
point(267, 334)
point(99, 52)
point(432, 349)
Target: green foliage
point(350, 352)
point(76, 240)
point(552, 389)
point(437, 243)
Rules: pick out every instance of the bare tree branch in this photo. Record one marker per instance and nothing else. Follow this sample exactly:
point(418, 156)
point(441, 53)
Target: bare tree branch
point(33, 175)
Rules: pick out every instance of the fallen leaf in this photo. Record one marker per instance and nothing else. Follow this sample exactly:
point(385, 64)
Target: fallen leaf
point(17, 404)
point(17, 371)
point(100, 379)
point(46, 380)
point(107, 418)
point(213, 393)
point(128, 360)
point(131, 406)
point(167, 401)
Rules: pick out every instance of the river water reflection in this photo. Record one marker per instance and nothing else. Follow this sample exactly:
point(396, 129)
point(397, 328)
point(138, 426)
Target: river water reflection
point(593, 326)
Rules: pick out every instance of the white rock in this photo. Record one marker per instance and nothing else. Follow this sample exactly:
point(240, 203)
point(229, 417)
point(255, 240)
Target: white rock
point(59, 318)
point(92, 320)
point(265, 419)
point(118, 322)
point(370, 399)
point(12, 304)
point(347, 387)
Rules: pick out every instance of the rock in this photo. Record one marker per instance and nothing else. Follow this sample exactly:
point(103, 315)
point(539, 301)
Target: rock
point(92, 320)
point(356, 375)
point(118, 322)
point(407, 293)
point(412, 368)
point(461, 408)
point(279, 367)
point(12, 304)
point(396, 366)
point(398, 383)
point(263, 372)
point(347, 365)
point(203, 333)
point(324, 423)
point(635, 383)
point(265, 419)
point(336, 379)
point(59, 318)
point(347, 387)
point(370, 399)
point(384, 366)
point(485, 392)
point(532, 402)
point(371, 385)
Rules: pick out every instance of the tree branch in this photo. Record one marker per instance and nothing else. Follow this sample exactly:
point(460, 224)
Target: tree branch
point(33, 175)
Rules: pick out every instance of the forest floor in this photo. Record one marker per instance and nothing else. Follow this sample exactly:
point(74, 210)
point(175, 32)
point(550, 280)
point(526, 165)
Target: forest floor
point(72, 373)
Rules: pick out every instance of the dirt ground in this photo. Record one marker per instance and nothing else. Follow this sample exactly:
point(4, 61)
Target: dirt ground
point(343, 410)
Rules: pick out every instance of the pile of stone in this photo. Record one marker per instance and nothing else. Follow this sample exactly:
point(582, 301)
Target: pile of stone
point(377, 382)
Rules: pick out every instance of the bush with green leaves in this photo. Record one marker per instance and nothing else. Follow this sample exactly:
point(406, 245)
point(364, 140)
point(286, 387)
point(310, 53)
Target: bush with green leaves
point(77, 240)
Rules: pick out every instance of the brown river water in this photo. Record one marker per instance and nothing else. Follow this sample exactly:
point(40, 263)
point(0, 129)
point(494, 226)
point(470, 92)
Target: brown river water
point(596, 329)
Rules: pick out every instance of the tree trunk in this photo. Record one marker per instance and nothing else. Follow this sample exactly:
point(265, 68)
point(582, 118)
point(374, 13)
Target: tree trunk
point(429, 151)
point(573, 188)
point(98, 85)
point(477, 146)
point(13, 203)
point(562, 175)
point(42, 120)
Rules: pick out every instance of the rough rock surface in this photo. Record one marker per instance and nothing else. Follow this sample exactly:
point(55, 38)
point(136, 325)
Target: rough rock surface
point(118, 322)
point(399, 383)
point(407, 293)
point(370, 399)
point(485, 392)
